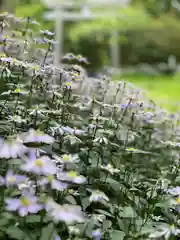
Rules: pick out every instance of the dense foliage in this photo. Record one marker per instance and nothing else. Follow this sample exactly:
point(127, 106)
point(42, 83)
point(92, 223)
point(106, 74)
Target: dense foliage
point(100, 166)
point(149, 33)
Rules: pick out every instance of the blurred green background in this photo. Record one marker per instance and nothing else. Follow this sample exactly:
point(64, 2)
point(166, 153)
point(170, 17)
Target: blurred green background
point(149, 34)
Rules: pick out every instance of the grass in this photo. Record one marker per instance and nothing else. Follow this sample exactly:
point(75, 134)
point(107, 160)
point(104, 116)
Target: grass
point(164, 90)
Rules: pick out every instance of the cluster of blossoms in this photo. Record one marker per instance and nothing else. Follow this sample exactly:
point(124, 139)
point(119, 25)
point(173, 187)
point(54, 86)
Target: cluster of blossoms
point(44, 174)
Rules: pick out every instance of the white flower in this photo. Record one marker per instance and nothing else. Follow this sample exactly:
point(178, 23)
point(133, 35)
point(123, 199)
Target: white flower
point(28, 186)
point(174, 191)
point(110, 169)
point(74, 230)
point(55, 184)
point(97, 234)
point(66, 213)
point(72, 131)
point(71, 176)
point(98, 196)
point(12, 148)
point(98, 217)
point(101, 140)
point(16, 119)
point(40, 166)
point(73, 192)
point(65, 159)
point(165, 230)
point(37, 136)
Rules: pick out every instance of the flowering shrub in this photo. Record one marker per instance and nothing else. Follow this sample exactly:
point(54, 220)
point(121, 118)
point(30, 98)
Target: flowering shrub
point(78, 164)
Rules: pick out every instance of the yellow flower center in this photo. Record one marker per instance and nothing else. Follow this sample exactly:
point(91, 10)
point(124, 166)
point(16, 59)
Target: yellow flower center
point(11, 179)
point(66, 157)
point(68, 84)
point(70, 191)
point(25, 201)
point(18, 90)
point(15, 118)
point(14, 60)
point(178, 200)
point(39, 163)
point(76, 75)
point(50, 178)
point(131, 149)
point(109, 166)
point(72, 174)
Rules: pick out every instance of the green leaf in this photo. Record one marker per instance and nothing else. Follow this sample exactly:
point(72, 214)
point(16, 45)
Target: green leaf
point(6, 215)
point(128, 212)
point(33, 219)
point(106, 224)
point(116, 186)
point(15, 233)
point(72, 140)
point(4, 221)
point(146, 230)
point(167, 203)
point(47, 232)
point(89, 226)
point(71, 199)
point(85, 202)
point(117, 235)
point(105, 213)
point(16, 162)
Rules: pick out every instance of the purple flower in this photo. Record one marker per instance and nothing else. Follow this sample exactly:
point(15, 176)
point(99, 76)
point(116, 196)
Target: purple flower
point(66, 213)
point(66, 159)
point(96, 234)
point(6, 59)
point(32, 153)
point(123, 106)
point(56, 237)
point(52, 42)
point(28, 186)
point(37, 137)
point(20, 91)
point(71, 176)
point(25, 204)
point(72, 131)
point(98, 196)
point(174, 191)
point(12, 148)
point(55, 184)
point(172, 116)
point(47, 32)
point(44, 40)
point(39, 41)
point(42, 165)
point(12, 179)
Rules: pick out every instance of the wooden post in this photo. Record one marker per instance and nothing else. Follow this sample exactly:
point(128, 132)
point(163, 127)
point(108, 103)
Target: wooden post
point(8, 5)
point(59, 35)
